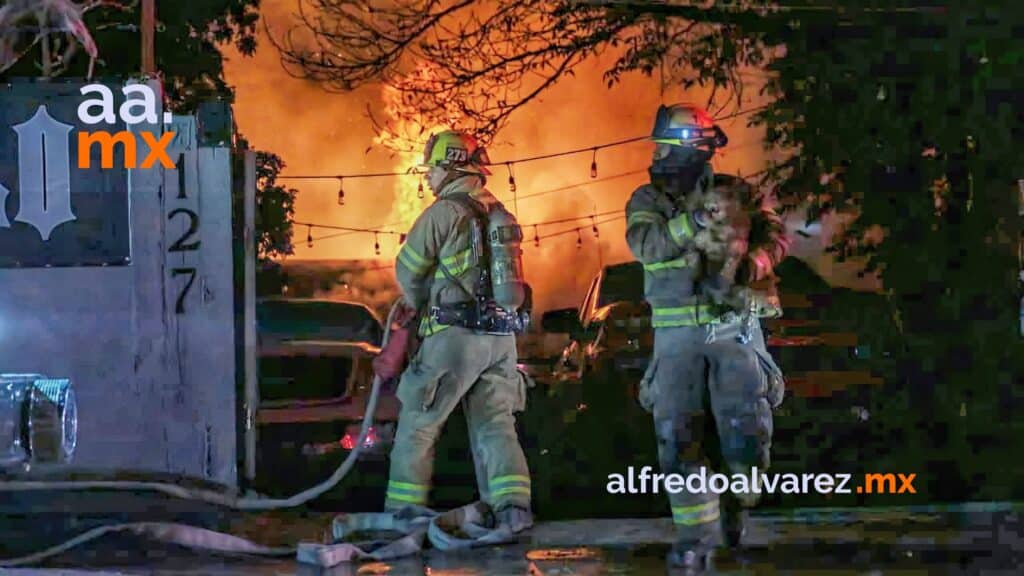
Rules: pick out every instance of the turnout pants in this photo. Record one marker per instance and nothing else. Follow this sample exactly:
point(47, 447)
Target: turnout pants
point(479, 370)
point(711, 396)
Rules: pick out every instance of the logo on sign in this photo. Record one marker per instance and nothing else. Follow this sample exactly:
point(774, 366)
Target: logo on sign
point(44, 164)
point(133, 111)
point(44, 178)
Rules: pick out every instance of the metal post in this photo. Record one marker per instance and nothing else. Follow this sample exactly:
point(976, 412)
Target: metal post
point(148, 32)
point(252, 392)
point(1020, 248)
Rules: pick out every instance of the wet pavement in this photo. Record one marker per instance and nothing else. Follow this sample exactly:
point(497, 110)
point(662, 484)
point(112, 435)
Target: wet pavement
point(964, 539)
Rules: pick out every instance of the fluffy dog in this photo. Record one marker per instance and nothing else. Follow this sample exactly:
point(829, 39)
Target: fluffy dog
point(739, 244)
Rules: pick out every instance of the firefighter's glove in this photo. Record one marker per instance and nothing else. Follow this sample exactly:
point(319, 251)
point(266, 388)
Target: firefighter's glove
point(394, 355)
point(404, 316)
point(755, 267)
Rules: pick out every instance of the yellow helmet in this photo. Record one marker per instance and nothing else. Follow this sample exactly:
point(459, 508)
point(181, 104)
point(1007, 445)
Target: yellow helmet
point(686, 125)
point(455, 151)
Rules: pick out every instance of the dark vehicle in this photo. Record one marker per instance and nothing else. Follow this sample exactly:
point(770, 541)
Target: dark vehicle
point(832, 376)
point(315, 376)
point(612, 331)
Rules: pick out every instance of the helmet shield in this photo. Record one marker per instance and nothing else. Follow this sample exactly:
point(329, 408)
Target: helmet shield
point(686, 125)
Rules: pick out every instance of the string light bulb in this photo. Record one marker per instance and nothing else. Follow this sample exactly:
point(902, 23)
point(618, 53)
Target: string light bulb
point(401, 238)
point(594, 227)
point(536, 238)
point(309, 237)
point(579, 239)
point(419, 191)
point(341, 191)
point(593, 165)
point(511, 179)
point(376, 244)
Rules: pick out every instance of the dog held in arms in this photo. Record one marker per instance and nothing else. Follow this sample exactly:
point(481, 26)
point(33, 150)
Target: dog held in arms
point(741, 241)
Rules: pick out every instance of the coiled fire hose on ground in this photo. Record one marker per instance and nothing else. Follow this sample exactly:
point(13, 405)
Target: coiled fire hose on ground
point(190, 535)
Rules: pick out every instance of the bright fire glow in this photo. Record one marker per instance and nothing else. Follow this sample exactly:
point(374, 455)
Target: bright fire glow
point(405, 133)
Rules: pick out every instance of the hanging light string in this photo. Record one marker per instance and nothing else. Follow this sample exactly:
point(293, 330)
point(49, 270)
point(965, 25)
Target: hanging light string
point(348, 230)
point(535, 240)
point(582, 184)
point(508, 163)
point(378, 231)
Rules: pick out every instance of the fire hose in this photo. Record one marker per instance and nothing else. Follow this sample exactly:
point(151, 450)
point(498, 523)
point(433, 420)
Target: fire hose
point(415, 523)
point(190, 535)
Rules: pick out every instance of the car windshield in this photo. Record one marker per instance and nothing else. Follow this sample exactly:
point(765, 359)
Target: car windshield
point(318, 320)
point(622, 283)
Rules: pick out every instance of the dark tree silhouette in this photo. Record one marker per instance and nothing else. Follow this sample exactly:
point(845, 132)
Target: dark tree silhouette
point(484, 61)
point(54, 38)
point(45, 38)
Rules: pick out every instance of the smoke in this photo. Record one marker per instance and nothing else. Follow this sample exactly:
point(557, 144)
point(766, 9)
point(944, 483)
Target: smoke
point(317, 132)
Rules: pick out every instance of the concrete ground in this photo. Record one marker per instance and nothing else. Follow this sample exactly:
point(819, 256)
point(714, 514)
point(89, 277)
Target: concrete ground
point(963, 539)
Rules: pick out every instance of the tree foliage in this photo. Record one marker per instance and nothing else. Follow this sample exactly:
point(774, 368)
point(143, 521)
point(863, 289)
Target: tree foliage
point(275, 207)
point(46, 39)
point(488, 60)
point(39, 38)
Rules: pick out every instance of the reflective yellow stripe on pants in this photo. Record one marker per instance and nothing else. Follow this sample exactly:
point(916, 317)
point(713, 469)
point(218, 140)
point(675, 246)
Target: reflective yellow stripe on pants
point(693, 515)
point(511, 484)
point(407, 492)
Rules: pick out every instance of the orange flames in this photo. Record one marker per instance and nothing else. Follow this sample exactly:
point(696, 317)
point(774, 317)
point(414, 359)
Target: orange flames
point(317, 132)
point(405, 133)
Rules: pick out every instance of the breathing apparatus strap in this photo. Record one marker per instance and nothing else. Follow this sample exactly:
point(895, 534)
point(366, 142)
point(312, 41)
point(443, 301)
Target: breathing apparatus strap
point(479, 214)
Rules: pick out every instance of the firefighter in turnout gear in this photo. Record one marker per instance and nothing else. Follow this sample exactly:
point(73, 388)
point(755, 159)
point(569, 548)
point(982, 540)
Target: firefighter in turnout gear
point(711, 384)
point(461, 267)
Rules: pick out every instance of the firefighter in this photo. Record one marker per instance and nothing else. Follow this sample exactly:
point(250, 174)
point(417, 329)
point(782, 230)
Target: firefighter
point(461, 266)
point(711, 384)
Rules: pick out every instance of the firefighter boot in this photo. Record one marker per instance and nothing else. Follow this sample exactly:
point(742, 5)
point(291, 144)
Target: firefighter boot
point(734, 517)
point(516, 518)
point(696, 559)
